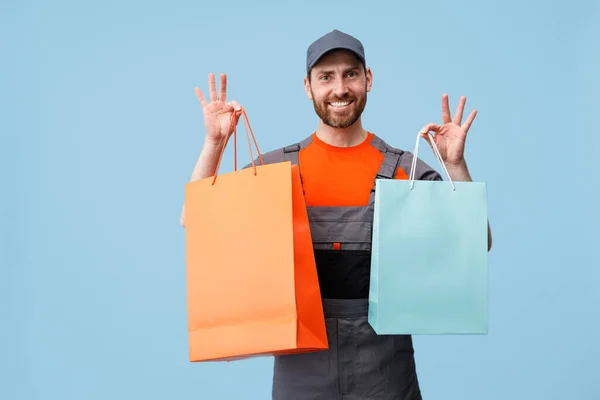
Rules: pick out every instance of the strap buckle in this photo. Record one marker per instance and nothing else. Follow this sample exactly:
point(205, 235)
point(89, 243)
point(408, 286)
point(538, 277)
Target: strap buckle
point(291, 149)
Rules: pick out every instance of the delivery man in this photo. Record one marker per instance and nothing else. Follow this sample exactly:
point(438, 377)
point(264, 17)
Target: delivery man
point(339, 163)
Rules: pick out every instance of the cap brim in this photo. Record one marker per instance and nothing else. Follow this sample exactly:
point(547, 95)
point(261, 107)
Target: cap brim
point(317, 58)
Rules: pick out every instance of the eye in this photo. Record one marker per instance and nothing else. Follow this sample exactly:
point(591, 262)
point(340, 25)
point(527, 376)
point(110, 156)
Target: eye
point(323, 77)
point(352, 74)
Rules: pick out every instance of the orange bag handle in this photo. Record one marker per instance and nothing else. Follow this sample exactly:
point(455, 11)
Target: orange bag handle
point(247, 128)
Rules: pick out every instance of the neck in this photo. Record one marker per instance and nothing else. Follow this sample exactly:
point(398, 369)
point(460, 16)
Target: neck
point(342, 137)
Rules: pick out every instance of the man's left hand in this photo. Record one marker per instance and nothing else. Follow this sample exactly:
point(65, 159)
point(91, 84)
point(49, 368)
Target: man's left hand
point(451, 135)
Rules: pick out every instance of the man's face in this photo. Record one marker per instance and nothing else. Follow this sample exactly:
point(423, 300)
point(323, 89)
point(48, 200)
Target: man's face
point(338, 87)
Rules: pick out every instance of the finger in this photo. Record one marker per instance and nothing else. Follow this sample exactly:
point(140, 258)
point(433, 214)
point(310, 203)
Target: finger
point(237, 111)
point(223, 88)
point(236, 106)
point(459, 110)
point(446, 118)
point(211, 87)
point(429, 128)
point(469, 121)
point(201, 97)
point(429, 138)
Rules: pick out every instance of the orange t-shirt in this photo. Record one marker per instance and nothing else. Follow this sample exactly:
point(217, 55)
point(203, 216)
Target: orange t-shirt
point(340, 176)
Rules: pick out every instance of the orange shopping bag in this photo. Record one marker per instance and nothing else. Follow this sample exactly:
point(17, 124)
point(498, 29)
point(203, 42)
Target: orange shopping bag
point(252, 286)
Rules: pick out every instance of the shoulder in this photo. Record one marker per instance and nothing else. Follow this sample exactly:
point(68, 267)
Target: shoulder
point(381, 145)
point(281, 154)
point(422, 170)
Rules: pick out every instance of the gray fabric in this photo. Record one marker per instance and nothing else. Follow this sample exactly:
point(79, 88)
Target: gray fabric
point(270, 157)
point(350, 226)
point(423, 172)
point(331, 41)
point(387, 170)
point(381, 145)
point(282, 154)
point(349, 232)
point(359, 364)
point(290, 153)
point(344, 246)
point(389, 165)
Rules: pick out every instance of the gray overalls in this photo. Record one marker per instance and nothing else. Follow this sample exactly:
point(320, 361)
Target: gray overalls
point(359, 364)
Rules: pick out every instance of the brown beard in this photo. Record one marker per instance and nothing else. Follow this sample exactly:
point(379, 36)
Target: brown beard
point(340, 121)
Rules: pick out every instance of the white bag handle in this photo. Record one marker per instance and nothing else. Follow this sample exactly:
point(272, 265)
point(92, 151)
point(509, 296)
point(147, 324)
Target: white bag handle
point(437, 155)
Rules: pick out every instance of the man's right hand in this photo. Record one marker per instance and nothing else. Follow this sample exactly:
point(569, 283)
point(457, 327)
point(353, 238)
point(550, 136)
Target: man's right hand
point(217, 113)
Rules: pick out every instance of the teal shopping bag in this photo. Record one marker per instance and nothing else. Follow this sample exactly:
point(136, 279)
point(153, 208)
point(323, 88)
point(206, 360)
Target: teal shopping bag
point(429, 256)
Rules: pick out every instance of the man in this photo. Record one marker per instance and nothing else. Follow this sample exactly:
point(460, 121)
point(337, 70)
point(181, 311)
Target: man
point(338, 164)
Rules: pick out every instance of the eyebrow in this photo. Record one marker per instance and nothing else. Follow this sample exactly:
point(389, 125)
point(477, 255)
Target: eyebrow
point(321, 71)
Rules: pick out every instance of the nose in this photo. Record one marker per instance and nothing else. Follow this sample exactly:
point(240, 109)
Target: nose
point(340, 88)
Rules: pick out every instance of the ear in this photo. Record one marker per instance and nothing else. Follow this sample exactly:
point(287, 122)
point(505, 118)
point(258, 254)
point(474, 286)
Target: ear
point(307, 88)
point(369, 79)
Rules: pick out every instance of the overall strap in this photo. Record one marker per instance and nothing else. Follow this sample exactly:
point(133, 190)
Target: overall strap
point(387, 170)
point(290, 153)
point(389, 165)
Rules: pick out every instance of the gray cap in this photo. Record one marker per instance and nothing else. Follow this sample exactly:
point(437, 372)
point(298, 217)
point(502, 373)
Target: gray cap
point(331, 41)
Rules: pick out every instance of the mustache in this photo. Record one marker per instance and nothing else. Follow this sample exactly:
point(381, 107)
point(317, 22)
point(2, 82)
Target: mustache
point(341, 99)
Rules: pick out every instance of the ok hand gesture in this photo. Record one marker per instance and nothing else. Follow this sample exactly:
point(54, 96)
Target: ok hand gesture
point(451, 135)
point(217, 113)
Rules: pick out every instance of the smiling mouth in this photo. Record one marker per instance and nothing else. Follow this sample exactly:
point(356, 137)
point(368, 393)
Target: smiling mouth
point(340, 104)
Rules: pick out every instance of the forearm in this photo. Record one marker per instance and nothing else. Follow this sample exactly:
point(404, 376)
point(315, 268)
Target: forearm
point(460, 173)
point(207, 161)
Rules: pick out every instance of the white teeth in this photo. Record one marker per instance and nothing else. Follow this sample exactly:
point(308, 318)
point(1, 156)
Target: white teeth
point(340, 104)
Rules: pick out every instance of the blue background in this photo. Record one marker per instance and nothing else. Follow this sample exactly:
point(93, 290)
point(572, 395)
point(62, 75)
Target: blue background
point(100, 129)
